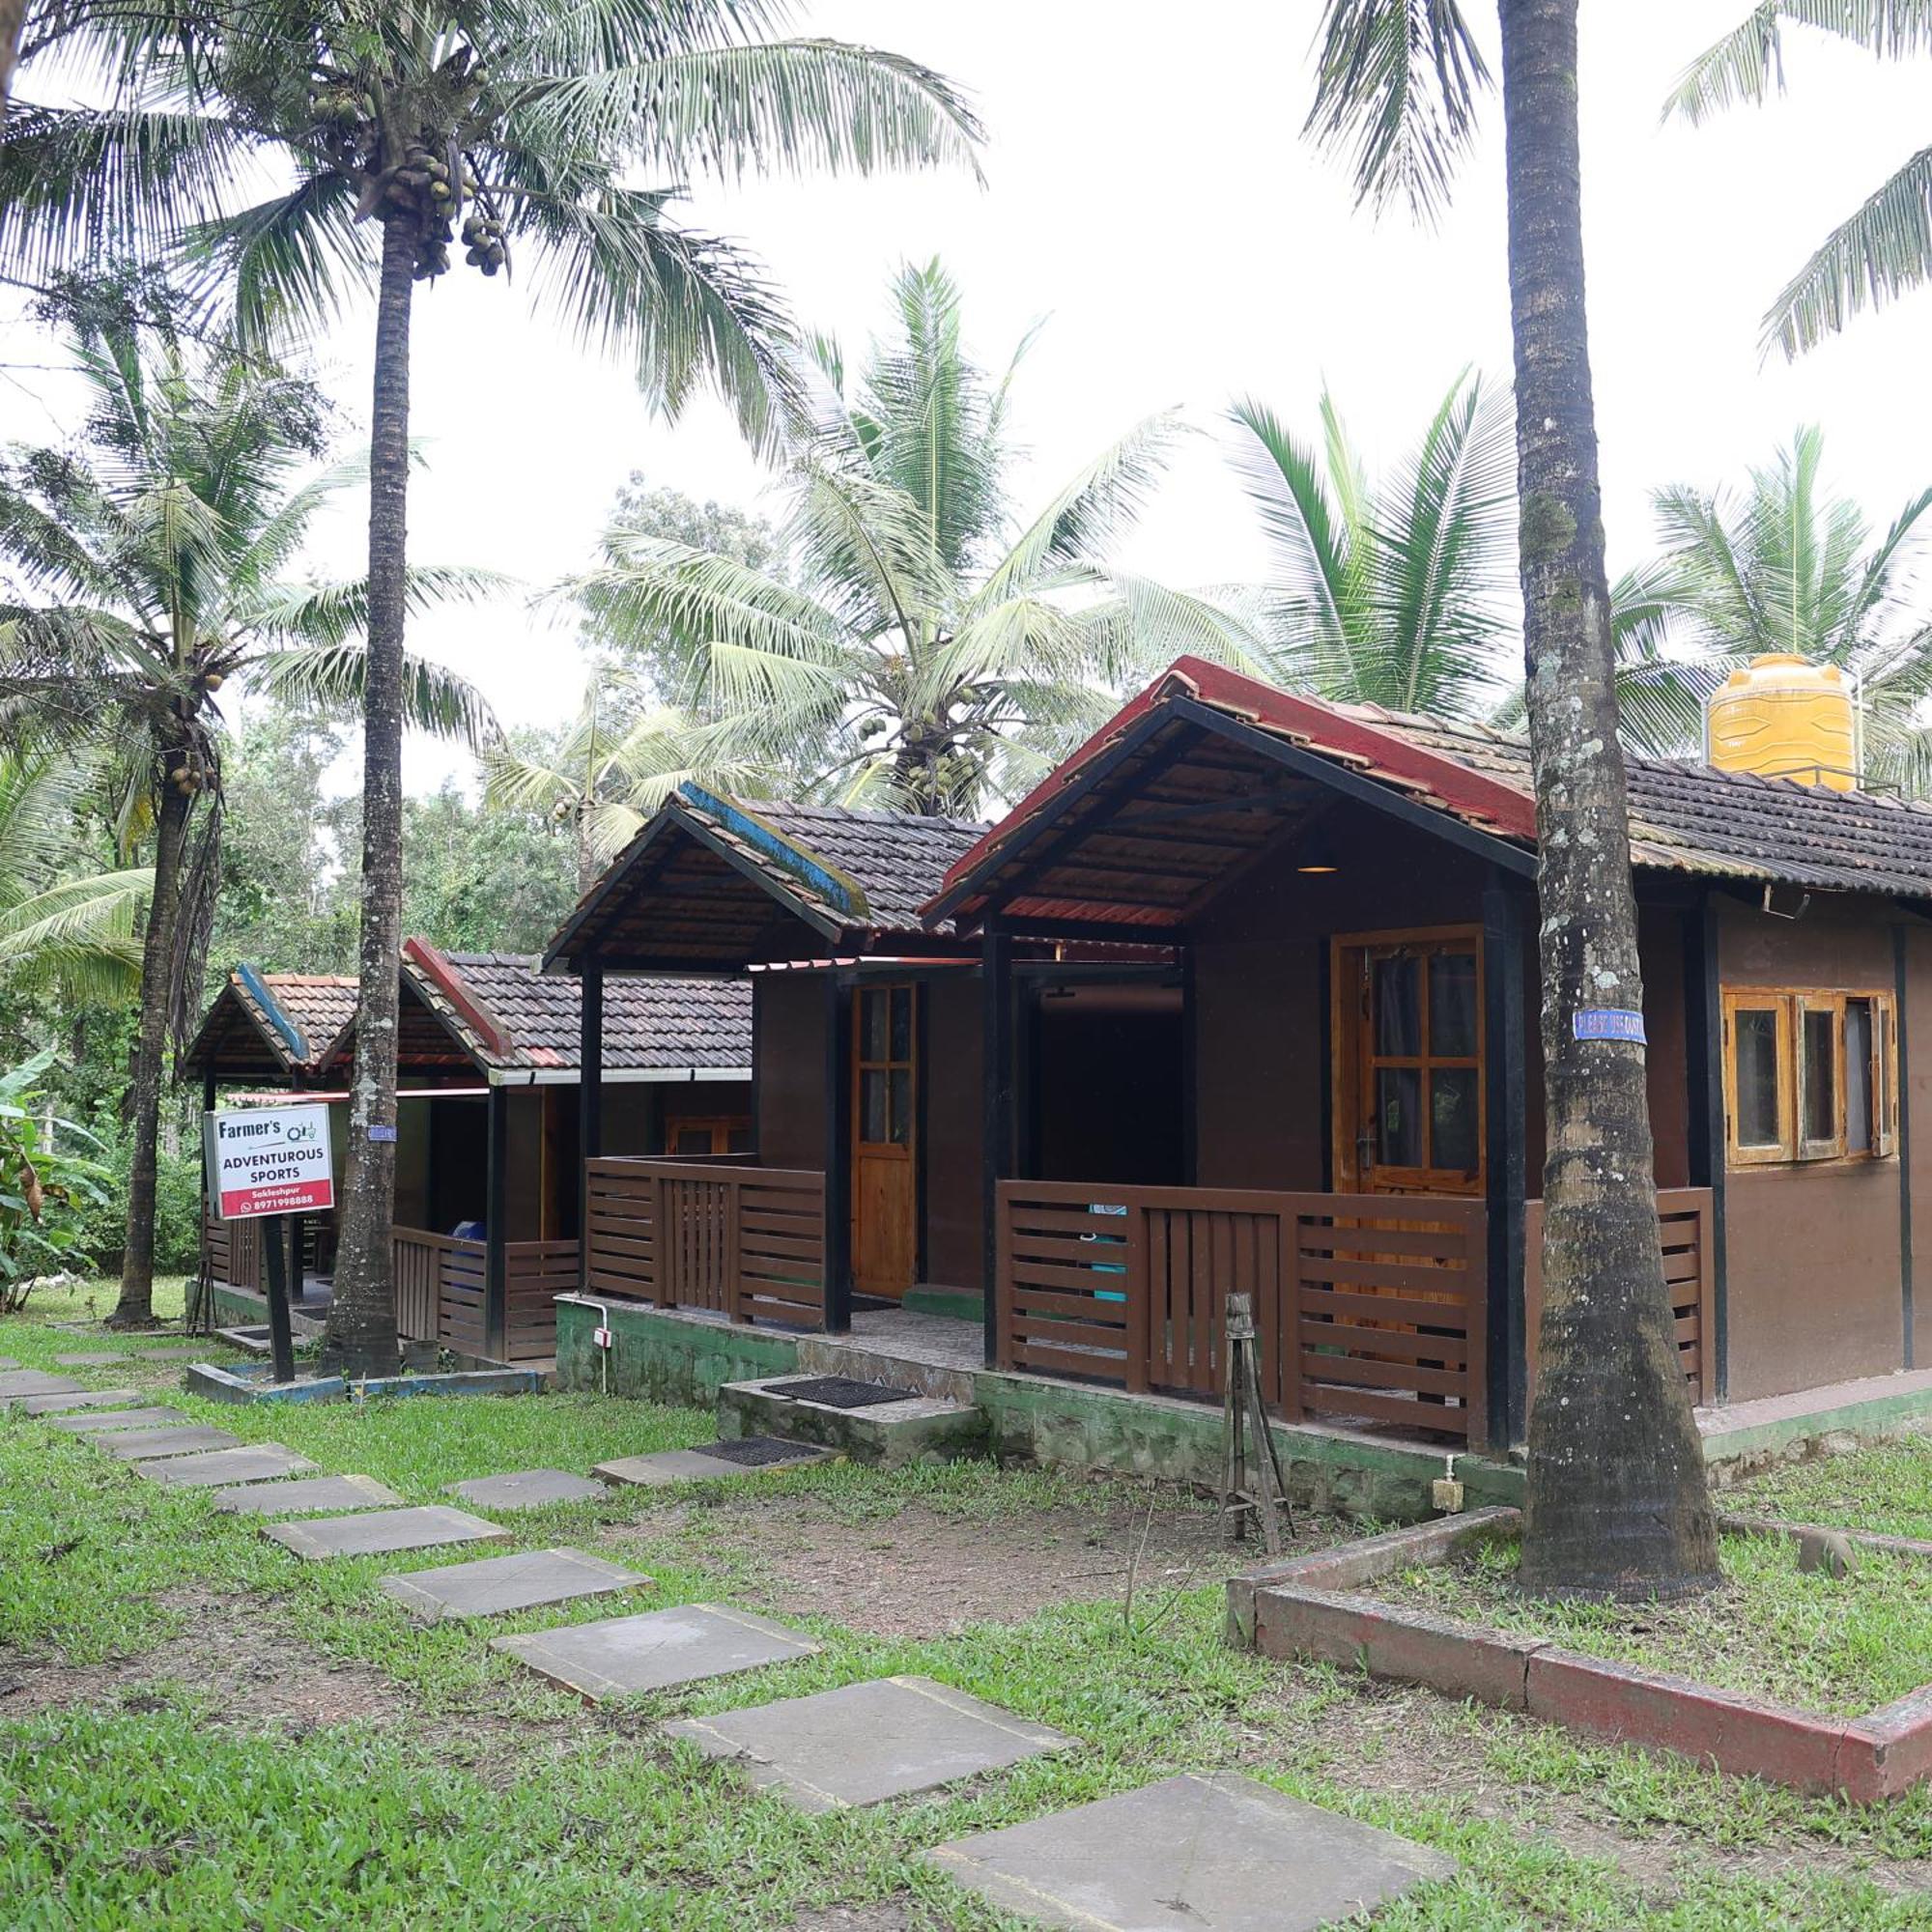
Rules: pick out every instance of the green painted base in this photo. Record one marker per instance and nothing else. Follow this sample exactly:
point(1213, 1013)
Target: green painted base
point(676, 1358)
point(953, 1302)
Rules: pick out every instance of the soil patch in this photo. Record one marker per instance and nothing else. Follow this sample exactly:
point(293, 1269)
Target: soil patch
point(922, 1572)
point(247, 1662)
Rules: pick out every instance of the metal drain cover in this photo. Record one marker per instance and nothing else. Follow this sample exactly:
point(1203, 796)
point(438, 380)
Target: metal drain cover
point(838, 1392)
point(755, 1452)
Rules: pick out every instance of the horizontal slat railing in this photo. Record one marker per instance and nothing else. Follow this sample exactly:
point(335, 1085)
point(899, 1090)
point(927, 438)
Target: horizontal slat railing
point(233, 1251)
point(1684, 1218)
point(534, 1274)
point(745, 1241)
point(1367, 1307)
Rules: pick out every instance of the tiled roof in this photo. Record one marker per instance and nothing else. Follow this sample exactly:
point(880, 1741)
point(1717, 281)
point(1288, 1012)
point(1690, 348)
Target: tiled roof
point(710, 878)
point(506, 1016)
point(244, 1031)
point(1683, 817)
point(895, 859)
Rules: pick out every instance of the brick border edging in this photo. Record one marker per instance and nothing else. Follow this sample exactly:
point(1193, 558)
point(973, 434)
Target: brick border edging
point(1858, 1539)
point(1312, 1607)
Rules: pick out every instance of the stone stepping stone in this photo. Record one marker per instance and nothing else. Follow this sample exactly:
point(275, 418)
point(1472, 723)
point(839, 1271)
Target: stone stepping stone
point(8, 1362)
point(57, 1405)
point(94, 1358)
point(494, 1586)
point(107, 1420)
point(16, 1383)
point(251, 1463)
point(144, 1445)
point(527, 1489)
point(708, 1465)
point(657, 1651)
point(314, 1492)
point(379, 1532)
point(870, 1742)
point(1198, 1853)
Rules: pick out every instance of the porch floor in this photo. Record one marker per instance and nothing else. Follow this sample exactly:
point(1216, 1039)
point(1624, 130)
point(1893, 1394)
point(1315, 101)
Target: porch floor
point(1769, 1426)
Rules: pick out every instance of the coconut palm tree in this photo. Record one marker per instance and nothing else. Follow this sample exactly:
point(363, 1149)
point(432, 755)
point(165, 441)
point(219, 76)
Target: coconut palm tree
point(156, 555)
point(59, 925)
point(1785, 566)
point(1617, 1501)
point(1883, 247)
point(927, 647)
point(617, 760)
point(1396, 595)
point(1399, 595)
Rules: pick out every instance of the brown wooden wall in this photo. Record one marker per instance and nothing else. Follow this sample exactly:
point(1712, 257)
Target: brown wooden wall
point(790, 1031)
point(954, 1135)
point(1812, 1252)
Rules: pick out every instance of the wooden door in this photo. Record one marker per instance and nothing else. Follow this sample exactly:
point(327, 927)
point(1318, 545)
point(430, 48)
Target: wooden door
point(1409, 1063)
point(885, 1139)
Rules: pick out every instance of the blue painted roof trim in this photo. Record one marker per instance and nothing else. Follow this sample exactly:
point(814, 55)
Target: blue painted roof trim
point(257, 991)
point(769, 843)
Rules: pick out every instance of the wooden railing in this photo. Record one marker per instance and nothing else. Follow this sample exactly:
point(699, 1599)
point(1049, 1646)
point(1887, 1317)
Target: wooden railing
point(1684, 1223)
point(233, 1251)
point(1368, 1307)
point(441, 1287)
point(745, 1241)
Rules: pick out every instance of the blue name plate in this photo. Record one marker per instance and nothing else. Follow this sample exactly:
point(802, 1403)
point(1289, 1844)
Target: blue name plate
point(1607, 1023)
point(377, 1132)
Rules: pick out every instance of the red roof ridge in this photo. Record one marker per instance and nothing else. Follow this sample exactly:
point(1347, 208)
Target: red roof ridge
point(436, 967)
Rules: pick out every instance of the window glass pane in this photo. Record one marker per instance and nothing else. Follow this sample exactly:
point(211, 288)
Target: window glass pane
point(738, 1141)
point(902, 1106)
point(1859, 1081)
point(1398, 1117)
point(1452, 1007)
point(1755, 1043)
point(872, 1107)
point(1820, 1078)
point(693, 1140)
point(901, 1023)
point(1397, 1026)
point(1452, 1118)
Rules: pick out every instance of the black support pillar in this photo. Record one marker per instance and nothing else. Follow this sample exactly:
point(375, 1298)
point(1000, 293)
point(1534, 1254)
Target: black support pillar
point(997, 1154)
point(1704, 1057)
point(495, 1277)
point(838, 1156)
point(1900, 983)
point(589, 1108)
point(1505, 1153)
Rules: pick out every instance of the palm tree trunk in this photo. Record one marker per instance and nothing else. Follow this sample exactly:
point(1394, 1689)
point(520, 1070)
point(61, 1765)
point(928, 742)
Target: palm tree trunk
point(136, 1308)
point(361, 1333)
point(1618, 1504)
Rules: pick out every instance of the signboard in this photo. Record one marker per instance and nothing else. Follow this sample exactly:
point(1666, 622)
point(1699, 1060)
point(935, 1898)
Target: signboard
point(1607, 1023)
point(269, 1160)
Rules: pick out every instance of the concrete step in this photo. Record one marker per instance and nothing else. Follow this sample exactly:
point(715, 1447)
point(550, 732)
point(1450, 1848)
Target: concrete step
point(890, 1428)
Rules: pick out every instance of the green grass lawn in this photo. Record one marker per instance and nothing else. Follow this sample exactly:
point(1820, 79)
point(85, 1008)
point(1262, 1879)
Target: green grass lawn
point(467, 1794)
point(1887, 1488)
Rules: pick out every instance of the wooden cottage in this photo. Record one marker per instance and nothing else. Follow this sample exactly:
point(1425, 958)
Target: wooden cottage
point(488, 1172)
point(1311, 928)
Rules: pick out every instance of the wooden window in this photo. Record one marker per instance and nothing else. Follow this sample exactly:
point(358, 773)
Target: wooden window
point(1809, 1076)
point(696, 1136)
point(1411, 1118)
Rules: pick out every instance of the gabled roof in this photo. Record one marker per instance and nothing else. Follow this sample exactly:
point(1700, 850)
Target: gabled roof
point(274, 1025)
point(499, 1012)
point(1207, 766)
point(709, 876)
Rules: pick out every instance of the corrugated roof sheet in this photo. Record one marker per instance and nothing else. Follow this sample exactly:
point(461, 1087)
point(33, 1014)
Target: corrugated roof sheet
point(648, 1024)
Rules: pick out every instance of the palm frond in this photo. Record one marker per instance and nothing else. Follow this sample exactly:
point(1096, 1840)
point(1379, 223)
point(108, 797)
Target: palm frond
point(329, 678)
point(1395, 87)
point(1747, 64)
point(1877, 253)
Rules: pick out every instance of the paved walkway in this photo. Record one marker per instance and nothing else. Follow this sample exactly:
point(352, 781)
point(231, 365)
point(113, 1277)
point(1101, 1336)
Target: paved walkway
point(1190, 1854)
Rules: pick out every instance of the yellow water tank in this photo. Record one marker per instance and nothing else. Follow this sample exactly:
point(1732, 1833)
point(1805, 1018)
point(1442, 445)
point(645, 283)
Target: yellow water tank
point(1788, 719)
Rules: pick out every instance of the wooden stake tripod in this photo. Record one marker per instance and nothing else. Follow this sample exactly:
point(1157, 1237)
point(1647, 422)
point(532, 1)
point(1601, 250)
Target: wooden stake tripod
point(1246, 1434)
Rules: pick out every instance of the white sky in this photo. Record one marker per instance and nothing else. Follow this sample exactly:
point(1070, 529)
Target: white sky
point(1148, 191)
